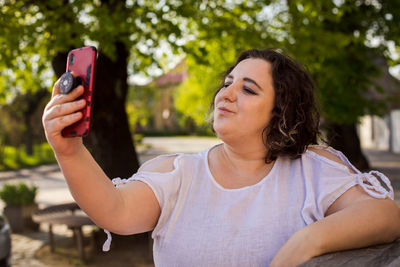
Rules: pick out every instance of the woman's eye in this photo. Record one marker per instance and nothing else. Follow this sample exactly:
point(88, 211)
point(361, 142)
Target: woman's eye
point(226, 85)
point(249, 91)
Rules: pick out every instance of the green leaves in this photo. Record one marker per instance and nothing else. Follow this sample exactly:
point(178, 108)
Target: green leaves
point(18, 194)
point(334, 45)
point(332, 38)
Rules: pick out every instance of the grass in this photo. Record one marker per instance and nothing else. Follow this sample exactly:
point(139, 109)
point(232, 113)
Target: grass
point(13, 158)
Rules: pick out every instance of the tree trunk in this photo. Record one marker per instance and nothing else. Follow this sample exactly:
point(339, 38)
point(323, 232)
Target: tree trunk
point(32, 103)
point(344, 137)
point(59, 62)
point(110, 140)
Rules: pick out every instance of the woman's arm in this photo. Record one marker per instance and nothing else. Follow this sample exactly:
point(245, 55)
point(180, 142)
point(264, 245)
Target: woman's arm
point(360, 223)
point(359, 220)
point(369, 220)
point(130, 209)
point(354, 220)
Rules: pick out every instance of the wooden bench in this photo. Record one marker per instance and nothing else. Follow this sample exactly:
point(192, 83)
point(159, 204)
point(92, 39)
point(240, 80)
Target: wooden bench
point(373, 256)
point(64, 214)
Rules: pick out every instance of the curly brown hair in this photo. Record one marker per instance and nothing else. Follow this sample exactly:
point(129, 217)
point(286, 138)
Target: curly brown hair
point(294, 123)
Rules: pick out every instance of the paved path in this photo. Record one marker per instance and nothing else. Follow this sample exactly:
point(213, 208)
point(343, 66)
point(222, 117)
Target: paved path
point(53, 188)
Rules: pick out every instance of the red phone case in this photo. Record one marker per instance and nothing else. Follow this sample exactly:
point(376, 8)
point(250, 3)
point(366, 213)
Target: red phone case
point(82, 62)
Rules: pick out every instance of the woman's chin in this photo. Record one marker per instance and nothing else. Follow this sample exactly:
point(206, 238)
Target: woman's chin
point(224, 133)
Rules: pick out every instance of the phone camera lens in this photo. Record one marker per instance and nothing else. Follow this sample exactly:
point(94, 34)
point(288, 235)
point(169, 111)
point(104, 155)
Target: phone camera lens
point(72, 60)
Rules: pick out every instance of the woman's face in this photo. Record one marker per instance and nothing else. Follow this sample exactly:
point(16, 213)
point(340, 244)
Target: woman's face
point(242, 108)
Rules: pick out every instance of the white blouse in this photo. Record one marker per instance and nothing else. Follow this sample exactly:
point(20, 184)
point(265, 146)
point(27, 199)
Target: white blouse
point(205, 224)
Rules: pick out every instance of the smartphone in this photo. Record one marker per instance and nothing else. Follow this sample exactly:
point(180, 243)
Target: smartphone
point(82, 63)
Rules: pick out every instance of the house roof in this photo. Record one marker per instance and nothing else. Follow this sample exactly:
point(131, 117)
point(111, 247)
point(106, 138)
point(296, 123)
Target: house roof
point(175, 76)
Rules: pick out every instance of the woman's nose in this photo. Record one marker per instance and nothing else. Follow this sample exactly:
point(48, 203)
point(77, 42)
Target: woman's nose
point(229, 92)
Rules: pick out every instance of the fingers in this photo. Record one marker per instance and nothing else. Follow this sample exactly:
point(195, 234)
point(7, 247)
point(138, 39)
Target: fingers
point(61, 98)
point(56, 88)
point(56, 124)
point(63, 109)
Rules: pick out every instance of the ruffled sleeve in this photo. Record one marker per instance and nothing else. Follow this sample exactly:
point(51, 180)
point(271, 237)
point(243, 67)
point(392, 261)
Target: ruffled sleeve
point(326, 180)
point(164, 185)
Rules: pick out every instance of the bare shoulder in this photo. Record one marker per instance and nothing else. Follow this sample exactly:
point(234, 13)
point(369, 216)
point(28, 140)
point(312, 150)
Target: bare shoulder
point(163, 164)
point(329, 156)
point(326, 154)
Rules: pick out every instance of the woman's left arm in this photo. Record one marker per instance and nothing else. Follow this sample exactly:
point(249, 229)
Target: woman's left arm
point(354, 220)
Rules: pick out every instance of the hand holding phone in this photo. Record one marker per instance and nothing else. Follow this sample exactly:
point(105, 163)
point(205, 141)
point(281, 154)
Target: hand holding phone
point(61, 111)
point(80, 70)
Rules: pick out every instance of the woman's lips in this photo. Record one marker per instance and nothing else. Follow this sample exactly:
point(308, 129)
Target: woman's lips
point(225, 110)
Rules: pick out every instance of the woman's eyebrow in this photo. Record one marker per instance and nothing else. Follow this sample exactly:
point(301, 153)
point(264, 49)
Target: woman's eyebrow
point(246, 79)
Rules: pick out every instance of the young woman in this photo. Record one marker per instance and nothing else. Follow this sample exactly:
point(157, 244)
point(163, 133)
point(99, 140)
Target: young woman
point(268, 195)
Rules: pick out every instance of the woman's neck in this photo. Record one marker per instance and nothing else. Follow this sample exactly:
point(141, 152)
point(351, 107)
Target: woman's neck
point(245, 160)
point(245, 156)
point(236, 168)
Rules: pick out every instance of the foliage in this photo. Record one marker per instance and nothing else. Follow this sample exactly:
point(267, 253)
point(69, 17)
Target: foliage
point(11, 127)
point(140, 105)
point(34, 33)
point(223, 32)
point(12, 158)
point(193, 97)
point(18, 194)
point(335, 40)
point(341, 43)
point(24, 62)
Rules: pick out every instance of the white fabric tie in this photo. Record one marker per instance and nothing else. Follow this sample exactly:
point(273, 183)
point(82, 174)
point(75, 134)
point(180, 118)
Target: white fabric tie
point(371, 184)
point(117, 182)
point(107, 244)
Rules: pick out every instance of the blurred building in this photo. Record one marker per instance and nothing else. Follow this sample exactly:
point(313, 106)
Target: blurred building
point(164, 117)
point(383, 133)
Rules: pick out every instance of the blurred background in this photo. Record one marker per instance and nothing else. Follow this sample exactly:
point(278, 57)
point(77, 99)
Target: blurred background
point(160, 62)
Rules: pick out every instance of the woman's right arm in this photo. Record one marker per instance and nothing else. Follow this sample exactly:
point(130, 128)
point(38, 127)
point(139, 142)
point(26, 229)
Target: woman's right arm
point(130, 209)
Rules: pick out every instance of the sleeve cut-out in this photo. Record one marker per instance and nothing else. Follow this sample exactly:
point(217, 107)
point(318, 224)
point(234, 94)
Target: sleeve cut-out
point(368, 181)
point(326, 180)
point(163, 184)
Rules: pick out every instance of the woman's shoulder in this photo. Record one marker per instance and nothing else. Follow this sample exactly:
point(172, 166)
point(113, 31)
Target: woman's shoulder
point(169, 162)
point(326, 155)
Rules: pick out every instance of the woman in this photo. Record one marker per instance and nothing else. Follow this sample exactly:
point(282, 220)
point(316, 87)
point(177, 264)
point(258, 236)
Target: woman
point(265, 196)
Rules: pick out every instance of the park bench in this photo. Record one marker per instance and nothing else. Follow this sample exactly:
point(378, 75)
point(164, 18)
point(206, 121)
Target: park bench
point(64, 214)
